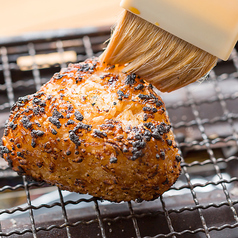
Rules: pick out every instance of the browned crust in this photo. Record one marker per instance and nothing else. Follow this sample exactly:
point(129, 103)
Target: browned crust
point(71, 135)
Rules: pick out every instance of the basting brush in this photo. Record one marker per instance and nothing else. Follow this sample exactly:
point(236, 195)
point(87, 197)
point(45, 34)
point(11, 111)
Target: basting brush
point(173, 43)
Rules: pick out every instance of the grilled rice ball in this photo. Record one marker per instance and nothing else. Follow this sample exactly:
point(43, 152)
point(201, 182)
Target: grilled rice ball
point(93, 129)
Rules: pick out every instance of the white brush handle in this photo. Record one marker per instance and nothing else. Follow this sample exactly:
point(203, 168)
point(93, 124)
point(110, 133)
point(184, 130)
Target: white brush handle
point(211, 25)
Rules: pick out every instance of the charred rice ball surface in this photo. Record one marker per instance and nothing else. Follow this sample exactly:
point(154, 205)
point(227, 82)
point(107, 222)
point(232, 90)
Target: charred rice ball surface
point(93, 129)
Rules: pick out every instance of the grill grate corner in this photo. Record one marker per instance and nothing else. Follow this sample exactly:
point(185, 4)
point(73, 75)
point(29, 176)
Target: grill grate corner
point(202, 203)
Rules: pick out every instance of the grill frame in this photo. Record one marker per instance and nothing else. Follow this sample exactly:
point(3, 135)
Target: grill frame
point(168, 208)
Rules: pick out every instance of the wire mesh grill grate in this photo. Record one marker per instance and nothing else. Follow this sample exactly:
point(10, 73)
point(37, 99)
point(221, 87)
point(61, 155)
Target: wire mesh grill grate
point(202, 203)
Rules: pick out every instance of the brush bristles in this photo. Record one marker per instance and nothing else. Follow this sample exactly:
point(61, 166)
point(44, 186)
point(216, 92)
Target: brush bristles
point(161, 58)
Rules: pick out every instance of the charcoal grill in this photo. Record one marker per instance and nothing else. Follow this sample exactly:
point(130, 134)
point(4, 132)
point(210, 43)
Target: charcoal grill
point(202, 203)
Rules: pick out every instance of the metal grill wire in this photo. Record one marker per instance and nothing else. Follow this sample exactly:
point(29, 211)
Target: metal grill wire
point(134, 214)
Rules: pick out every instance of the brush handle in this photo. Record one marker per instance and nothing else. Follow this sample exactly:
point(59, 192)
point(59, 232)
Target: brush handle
point(211, 25)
